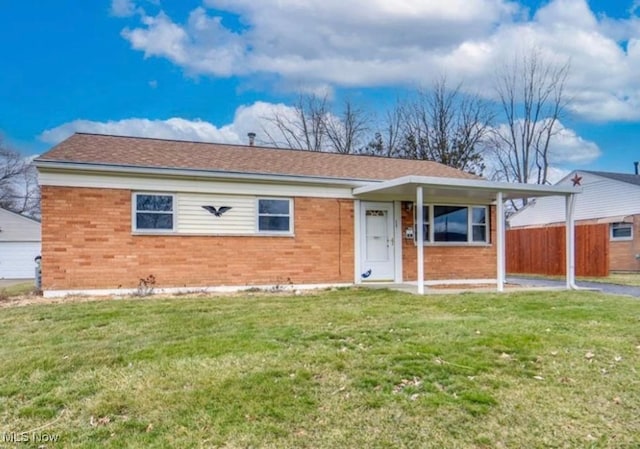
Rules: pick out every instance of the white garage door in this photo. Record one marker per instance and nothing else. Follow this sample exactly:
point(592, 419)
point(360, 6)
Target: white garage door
point(16, 259)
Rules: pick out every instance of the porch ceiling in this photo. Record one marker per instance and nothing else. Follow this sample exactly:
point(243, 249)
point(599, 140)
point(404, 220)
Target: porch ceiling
point(456, 190)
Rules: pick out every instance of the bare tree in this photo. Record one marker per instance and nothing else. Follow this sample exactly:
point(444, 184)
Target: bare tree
point(305, 129)
point(386, 141)
point(19, 191)
point(346, 132)
point(312, 126)
point(532, 97)
point(447, 126)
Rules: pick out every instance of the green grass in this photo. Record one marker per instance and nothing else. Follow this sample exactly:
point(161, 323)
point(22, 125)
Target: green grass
point(630, 279)
point(347, 368)
point(12, 291)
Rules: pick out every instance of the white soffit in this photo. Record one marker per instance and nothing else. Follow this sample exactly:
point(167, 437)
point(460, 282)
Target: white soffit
point(468, 189)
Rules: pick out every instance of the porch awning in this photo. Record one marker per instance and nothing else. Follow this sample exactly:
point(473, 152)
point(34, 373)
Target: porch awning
point(423, 189)
point(457, 190)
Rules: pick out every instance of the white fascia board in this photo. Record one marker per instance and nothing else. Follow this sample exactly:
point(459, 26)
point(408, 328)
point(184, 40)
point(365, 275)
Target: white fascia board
point(478, 184)
point(45, 166)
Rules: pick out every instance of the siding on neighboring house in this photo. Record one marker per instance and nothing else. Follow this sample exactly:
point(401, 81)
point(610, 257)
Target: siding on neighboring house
point(19, 245)
point(600, 198)
point(17, 228)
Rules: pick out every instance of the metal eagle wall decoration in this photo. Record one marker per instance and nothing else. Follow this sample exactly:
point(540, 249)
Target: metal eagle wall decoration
point(217, 212)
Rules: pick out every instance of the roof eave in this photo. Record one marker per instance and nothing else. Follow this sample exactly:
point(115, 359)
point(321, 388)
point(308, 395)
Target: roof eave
point(511, 190)
point(65, 166)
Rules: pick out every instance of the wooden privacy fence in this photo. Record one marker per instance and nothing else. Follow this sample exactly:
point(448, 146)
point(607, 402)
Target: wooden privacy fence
point(542, 250)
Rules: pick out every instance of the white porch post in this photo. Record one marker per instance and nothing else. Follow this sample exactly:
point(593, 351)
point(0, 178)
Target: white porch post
point(357, 230)
point(420, 240)
point(570, 241)
point(500, 238)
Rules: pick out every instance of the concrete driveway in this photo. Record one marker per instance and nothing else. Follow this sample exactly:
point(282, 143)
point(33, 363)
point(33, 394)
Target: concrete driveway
point(613, 289)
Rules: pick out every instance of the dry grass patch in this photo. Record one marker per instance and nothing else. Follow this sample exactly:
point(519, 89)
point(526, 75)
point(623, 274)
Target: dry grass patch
point(631, 279)
point(347, 368)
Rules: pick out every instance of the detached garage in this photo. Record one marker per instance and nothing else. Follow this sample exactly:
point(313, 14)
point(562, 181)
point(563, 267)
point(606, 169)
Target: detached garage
point(19, 245)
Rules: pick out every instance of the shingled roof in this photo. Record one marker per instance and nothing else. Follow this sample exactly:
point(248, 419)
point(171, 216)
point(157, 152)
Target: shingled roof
point(118, 151)
point(623, 177)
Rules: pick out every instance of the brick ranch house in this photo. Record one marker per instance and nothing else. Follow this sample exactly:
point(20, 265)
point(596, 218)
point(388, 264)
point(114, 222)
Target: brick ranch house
point(224, 217)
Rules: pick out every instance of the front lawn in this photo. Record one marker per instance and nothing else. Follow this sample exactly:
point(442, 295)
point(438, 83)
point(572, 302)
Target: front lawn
point(23, 288)
point(631, 279)
point(347, 368)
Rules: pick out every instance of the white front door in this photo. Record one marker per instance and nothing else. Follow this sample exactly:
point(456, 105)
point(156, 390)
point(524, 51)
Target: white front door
point(377, 242)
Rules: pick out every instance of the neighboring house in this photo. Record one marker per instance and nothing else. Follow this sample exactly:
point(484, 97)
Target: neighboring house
point(19, 245)
point(611, 198)
point(116, 210)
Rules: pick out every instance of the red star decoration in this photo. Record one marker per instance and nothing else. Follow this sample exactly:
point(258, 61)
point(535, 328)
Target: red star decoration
point(576, 180)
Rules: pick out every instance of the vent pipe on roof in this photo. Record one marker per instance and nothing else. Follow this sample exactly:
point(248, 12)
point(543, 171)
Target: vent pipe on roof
point(252, 138)
point(635, 164)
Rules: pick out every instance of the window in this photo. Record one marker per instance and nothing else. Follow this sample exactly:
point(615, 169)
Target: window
point(621, 231)
point(450, 224)
point(153, 212)
point(455, 224)
point(479, 224)
point(274, 215)
point(426, 219)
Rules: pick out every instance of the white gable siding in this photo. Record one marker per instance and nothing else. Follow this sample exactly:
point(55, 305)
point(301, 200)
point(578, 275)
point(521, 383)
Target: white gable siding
point(193, 219)
point(16, 228)
point(600, 198)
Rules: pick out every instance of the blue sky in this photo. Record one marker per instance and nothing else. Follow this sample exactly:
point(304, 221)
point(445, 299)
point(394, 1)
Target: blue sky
point(210, 69)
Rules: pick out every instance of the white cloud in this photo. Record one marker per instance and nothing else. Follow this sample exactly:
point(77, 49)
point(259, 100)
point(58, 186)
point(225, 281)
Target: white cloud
point(173, 128)
point(569, 148)
point(123, 8)
point(247, 119)
point(366, 43)
point(320, 41)
point(203, 46)
point(566, 149)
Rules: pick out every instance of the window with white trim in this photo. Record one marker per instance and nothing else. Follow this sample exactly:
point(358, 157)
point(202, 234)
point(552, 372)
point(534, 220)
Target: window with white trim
point(455, 224)
point(275, 215)
point(621, 231)
point(153, 212)
point(479, 224)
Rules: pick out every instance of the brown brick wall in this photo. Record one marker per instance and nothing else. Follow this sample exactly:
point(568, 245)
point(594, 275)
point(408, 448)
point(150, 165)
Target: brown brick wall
point(87, 243)
point(622, 254)
point(447, 261)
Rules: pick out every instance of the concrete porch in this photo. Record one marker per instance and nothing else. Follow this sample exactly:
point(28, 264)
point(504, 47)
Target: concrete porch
point(412, 288)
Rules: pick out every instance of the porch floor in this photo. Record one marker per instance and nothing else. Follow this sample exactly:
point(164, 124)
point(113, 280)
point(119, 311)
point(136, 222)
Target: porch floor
point(412, 287)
